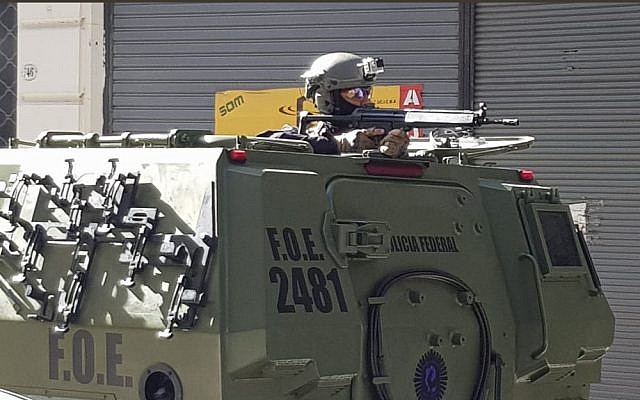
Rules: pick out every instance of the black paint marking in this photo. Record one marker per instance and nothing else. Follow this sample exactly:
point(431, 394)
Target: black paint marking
point(84, 359)
point(128, 381)
point(308, 290)
point(298, 244)
point(310, 244)
point(423, 244)
point(275, 243)
point(291, 244)
point(300, 290)
point(113, 359)
point(334, 278)
point(277, 275)
point(81, 358)
point(321, 296)
point(55, 355)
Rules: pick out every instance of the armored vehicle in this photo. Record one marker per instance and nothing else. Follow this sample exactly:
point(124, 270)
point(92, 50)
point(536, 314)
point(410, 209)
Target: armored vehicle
point(193, 266)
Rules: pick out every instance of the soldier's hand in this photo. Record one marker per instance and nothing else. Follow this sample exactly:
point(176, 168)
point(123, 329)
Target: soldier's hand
point(395, 144)
point(356, 140)
point(373, 132)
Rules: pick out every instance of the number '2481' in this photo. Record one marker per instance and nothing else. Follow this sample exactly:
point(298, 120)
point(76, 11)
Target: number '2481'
point(309, 290)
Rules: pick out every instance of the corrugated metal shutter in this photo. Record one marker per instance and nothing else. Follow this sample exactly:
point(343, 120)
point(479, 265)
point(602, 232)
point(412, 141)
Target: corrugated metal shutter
point(168, 60)
point(571, 73)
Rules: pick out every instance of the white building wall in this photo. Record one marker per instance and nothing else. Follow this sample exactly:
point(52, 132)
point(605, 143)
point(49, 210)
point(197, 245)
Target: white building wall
point(60, 68)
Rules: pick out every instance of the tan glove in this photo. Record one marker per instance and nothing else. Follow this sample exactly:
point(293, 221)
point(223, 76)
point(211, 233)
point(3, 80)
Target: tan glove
point(395, 144)
point(359, 139)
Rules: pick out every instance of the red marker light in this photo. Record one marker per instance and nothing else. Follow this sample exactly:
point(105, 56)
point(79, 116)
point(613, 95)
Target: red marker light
point(237, 156)
point(526, 175)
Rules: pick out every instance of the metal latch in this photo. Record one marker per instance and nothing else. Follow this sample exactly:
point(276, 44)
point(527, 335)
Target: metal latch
point(37, 239)
point(191, 288)
point(363, 239)
point(352, 239)
point(70, 297)
point(144, 221)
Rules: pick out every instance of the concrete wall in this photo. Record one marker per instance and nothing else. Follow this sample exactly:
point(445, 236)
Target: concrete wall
point(60, 67)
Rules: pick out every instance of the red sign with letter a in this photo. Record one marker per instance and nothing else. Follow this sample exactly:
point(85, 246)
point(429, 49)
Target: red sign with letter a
point(411, 98)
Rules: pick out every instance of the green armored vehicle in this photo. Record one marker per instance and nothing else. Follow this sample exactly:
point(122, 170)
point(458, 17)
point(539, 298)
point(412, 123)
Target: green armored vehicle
point(192, 266)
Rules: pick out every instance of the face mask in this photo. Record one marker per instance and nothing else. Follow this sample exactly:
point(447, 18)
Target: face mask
point(342, 107)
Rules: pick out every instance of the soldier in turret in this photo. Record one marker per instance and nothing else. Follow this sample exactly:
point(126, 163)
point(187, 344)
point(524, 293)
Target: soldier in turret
point(338, 83)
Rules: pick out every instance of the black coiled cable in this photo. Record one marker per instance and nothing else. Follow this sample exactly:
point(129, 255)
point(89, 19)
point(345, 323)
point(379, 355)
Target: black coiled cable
point(374, 329)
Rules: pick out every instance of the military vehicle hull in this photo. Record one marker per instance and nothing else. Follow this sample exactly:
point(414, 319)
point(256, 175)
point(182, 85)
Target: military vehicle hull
point(210, 273)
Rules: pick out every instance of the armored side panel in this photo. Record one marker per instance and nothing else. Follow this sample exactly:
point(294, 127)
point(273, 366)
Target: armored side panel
point(262, 274)
point(106, 253)
point(377, 280)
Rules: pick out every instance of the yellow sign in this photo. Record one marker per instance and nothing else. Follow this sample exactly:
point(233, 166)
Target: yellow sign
point(249, 112)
